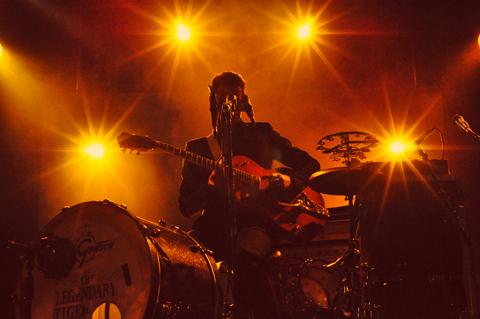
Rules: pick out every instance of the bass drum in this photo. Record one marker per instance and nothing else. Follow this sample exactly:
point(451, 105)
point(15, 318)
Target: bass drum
point(120, 266)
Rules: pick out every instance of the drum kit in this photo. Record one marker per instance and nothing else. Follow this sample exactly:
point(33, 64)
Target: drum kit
point(392, 255)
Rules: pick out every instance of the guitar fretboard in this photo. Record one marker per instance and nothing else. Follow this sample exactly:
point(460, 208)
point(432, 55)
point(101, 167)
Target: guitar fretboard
point(207, 163)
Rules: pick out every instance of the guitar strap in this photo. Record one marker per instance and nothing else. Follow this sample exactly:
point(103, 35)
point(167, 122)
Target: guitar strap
point(214, 147)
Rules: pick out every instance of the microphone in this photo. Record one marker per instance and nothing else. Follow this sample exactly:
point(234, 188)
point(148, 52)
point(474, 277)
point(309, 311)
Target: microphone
point(229, 103)
point(462, 123)
point(422, 137)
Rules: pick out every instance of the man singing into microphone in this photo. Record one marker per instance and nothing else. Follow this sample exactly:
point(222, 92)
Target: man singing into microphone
point(201, 191)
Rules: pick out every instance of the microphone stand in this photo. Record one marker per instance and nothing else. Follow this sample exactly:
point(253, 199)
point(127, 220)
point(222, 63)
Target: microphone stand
point(26, 254)
point(472, 286)
point(225, 134)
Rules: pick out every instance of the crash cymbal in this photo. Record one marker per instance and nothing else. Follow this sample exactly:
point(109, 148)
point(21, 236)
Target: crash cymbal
point(345, 180)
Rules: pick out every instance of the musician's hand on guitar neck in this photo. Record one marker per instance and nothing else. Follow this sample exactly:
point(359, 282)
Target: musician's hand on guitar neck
point(216, 178)
point(275, 181)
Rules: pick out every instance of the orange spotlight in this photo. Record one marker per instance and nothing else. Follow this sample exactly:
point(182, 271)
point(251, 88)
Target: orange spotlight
point(397, 147)
point(1, 49)
point(183, 32)
point(478, 40)
point(95, 150)
point(304, 31)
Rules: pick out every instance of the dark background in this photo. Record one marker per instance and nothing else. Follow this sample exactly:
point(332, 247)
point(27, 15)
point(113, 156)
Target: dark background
point(73, 69)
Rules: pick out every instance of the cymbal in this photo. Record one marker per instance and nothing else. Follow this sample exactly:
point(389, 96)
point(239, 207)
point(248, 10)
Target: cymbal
point(345, 180)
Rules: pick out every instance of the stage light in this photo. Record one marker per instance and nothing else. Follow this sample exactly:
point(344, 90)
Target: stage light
point(304, 32)
point(478, 40)
point(397, 147)
point(1, 49)
point(183, 32)
point(95, 150)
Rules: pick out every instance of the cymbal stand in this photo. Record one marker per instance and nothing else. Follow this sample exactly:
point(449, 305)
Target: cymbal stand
point(353, 271)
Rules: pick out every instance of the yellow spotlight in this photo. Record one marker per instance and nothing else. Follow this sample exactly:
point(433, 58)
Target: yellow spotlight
point(1, 49)
point(95, 150)
point(478, 40)
point(183, 32)
point(304, 31)
point(398, 149)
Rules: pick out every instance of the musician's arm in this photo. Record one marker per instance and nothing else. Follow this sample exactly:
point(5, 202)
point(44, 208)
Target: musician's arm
point(194, 189)
point(301, 163)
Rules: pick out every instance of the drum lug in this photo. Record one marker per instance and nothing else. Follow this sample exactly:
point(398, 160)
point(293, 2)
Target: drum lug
point(200, 249)
point(162, 222)
point(151, 232)
point(109, 202)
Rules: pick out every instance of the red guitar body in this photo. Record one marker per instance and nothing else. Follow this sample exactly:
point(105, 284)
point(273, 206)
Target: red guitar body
point(290, 218)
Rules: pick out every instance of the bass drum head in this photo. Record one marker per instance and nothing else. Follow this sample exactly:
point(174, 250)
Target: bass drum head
point(112, 266)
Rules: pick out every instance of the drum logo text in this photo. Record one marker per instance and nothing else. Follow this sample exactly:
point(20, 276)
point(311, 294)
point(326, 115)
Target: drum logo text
point(87, 248)
point(74, 303)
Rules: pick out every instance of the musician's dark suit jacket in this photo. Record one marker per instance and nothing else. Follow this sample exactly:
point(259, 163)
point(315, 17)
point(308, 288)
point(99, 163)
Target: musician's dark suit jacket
point(261, 143)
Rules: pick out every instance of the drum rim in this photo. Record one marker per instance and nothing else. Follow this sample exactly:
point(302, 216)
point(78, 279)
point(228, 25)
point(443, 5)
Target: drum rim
point(65, 210)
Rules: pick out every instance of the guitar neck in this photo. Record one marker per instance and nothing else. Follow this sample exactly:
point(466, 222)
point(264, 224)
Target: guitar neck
point(196, 159)
point(207, 163)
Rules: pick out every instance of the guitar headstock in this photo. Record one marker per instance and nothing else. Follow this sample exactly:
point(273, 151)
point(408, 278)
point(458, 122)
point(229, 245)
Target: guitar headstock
point(135, 143)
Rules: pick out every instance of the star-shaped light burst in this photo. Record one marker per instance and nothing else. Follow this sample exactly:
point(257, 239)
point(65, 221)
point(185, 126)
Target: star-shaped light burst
point(180, 35)
point(303, 30)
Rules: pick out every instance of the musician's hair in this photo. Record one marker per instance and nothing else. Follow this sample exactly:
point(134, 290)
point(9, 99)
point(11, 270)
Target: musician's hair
point(228, 78)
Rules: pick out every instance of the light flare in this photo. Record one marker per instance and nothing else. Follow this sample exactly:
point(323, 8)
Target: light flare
point(183, 32)
point(397, 147)
point(95, 150)
point(304, 32)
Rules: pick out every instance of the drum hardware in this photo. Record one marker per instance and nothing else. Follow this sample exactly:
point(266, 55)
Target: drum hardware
point(225, 279)
point(151, 232)
point(349, 147)
point(344, 299)
point(305, 287)
point(337, 226)
point(52, 255)
point(199, 249)
point(23, 298)
point(122, 265)
point(355, 178)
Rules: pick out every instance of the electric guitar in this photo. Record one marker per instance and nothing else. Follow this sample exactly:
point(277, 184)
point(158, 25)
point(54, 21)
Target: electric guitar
point(247, 176)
